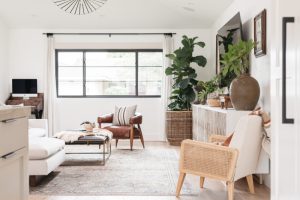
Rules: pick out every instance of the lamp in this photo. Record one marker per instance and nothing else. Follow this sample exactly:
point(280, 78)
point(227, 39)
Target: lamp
point(79, 7)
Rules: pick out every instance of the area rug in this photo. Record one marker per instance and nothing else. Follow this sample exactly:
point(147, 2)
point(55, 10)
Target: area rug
point(150, 171)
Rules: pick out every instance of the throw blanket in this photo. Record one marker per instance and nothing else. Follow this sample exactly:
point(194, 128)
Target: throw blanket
point(72, 136)
point(266, 143)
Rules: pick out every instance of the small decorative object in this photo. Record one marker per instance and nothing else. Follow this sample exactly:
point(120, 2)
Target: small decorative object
point(244, 90)
point(228, 103)
point(213, 99)
point(79, 7)
point(225, 101)
point(88, 126)
point(222, 101)
point(260, 23)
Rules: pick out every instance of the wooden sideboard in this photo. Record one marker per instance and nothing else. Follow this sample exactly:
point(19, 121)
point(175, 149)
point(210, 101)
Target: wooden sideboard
point(211, 120)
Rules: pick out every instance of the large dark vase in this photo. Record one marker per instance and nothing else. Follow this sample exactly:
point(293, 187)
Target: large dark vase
point(244, 92)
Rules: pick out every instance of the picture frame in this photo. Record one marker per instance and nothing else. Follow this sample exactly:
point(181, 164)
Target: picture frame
point(260, 34)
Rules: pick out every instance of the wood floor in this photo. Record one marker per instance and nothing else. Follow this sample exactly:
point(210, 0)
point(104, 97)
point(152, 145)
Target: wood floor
point(213, 190)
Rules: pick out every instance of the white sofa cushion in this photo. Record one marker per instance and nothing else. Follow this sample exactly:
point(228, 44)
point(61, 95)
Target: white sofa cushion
point(36, 132)
point(42, 147)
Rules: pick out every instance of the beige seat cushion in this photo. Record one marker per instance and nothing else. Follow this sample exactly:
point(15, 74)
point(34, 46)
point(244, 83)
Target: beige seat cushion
point(42, 148)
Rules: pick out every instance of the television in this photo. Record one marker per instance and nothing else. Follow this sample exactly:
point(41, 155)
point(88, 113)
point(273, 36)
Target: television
point(228, 34)
point(24, 88)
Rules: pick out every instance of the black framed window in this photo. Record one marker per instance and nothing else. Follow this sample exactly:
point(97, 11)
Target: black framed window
point(109, 73)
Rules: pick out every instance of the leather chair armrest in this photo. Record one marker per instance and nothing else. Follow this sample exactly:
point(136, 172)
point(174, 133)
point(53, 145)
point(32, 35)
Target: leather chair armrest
point(105, 119)
point(137, 119)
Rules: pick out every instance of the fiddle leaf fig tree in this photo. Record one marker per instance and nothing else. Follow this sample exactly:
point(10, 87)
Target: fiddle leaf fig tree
point(183, 74)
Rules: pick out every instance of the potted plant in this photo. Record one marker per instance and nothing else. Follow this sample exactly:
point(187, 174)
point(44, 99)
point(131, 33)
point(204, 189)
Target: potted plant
point(244, 90)
point(226, 41)
point(179, 115)
point(206, 88)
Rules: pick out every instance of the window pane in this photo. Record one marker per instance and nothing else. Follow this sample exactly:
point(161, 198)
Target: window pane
point(110, 80)
point(70, 81)
point(110, 59)
point(150, 59)
point(150, 80)
point(70, 59)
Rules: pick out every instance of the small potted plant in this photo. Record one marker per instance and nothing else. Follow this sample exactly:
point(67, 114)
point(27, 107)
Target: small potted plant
point(244, 89)
point(207, 89)
point(179, 115)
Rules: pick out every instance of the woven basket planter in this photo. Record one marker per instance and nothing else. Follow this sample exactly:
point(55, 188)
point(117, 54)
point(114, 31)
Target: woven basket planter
point(178, 126)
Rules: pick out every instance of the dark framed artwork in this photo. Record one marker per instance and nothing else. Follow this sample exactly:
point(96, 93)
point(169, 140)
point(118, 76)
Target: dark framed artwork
point(260, 34)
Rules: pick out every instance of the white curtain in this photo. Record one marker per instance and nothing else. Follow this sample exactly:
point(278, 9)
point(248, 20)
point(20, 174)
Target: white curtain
point(49, 85)
point(168, 47)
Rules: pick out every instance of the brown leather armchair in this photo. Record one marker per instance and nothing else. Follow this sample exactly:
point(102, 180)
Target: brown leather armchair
point(132, 131)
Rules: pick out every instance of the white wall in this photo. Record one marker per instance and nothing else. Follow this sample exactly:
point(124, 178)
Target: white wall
point(260, 67)
point(4, 92)
point(28, 58)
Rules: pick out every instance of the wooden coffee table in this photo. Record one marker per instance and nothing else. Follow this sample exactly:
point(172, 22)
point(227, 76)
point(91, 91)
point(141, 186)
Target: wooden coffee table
point(103, 141)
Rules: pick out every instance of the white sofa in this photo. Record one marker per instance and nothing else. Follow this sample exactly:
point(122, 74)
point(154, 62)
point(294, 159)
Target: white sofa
point(45, 154)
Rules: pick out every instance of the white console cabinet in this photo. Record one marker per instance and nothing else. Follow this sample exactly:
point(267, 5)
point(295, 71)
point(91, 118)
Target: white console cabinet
point(14, 153)
point(214, 120)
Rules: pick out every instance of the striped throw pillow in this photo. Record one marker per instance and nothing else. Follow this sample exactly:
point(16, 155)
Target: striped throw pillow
point(123, 114)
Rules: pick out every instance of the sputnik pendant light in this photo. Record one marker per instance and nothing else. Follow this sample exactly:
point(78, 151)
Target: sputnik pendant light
point(79, 7)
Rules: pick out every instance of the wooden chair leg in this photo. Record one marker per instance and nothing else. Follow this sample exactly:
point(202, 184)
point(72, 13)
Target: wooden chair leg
point(141, 136)
point(117, 140)
point(131, 137)
point(230, 190)
point(250, 184)
point(202, 182)
point(180, 183)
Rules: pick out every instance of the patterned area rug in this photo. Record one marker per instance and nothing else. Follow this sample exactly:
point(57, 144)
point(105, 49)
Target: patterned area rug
point(151, 171)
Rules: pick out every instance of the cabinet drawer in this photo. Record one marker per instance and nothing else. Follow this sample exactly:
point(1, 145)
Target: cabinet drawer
point(14, 176)
point(13, 135)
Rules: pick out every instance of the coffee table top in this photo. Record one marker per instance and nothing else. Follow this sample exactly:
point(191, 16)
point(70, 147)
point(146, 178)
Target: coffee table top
point(71, 136)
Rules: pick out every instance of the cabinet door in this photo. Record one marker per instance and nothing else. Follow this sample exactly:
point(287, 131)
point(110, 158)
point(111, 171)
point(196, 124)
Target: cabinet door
point(284, 95)
point(14, 176)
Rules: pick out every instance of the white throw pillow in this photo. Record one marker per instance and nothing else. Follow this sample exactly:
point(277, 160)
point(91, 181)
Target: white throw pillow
point(122, 115)
point(36, 132)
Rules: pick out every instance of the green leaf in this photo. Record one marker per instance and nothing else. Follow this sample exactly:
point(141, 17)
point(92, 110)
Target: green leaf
point(193, 82)
point(201, 44)
point(200, 60)
point(190, 94)
point(171, 56)
point(172, 105)
point(185, 43)
point(184, 83)
point(169, 71)
point(173, 97)
point(193, 75)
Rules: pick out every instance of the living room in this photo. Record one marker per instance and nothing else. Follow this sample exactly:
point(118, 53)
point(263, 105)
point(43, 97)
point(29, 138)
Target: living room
point(96, 62)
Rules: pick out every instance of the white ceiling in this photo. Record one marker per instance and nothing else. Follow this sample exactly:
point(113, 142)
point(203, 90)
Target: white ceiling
point(115, 14)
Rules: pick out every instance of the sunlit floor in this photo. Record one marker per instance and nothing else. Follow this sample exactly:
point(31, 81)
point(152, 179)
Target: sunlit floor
point(213, 190)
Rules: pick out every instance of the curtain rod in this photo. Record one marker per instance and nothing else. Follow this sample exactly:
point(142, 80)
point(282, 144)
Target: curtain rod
point(109, 34)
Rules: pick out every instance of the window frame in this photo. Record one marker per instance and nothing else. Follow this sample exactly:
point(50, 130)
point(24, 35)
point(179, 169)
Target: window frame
point(84, 51)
